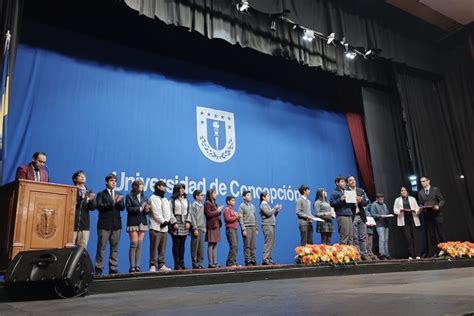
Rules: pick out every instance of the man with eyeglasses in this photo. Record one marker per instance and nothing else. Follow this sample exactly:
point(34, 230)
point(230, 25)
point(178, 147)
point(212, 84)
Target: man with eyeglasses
point(34, 170)
point(431, 200)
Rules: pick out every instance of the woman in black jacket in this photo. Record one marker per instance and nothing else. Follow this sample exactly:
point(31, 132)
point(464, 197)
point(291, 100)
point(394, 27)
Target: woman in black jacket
point(137, 206)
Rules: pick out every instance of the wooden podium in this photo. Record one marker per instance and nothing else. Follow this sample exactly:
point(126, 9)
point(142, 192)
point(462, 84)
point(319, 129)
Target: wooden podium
point(34, 216)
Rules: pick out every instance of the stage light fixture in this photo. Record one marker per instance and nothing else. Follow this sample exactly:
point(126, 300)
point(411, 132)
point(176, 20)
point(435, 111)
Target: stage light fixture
point(273, 25)
point(331, 38)
point(350, 55)
point(308, 35)
point(243, 6)
point(461, 176)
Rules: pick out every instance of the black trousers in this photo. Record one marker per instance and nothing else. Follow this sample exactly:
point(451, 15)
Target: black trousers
point(178, 249)
point(412, 236)
point(434, 235)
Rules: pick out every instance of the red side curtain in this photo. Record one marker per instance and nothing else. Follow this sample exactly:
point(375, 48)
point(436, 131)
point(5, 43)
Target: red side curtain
point(361, 150)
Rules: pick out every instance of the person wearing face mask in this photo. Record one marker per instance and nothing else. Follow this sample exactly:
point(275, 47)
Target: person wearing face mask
point(85, 202)
point(160, 216)
point(34, 170)
point(406, 208)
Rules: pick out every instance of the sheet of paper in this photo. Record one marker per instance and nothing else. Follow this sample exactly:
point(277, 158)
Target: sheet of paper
point(317, 219)
point(333, 213)
point(389, 215)
point(350, 196)
point(370, 221)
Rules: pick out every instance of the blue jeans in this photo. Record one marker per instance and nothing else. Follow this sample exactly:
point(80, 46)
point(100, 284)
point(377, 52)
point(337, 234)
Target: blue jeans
point(383, 241)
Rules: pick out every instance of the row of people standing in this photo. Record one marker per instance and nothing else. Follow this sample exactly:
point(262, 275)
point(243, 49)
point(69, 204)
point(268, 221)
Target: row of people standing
point(352, 224)
point(177, 217)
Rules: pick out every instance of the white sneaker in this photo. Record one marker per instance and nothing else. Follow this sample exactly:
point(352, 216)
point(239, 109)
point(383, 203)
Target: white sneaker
point(152, 269)
point(410, 258)
point(164, 268)
point(418, 258)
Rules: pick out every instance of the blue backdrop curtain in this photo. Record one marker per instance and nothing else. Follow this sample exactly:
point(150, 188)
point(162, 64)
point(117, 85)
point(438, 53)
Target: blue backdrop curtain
point(103, 118)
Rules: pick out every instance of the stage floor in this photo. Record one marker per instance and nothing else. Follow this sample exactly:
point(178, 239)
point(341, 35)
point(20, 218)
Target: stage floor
point(433, 292)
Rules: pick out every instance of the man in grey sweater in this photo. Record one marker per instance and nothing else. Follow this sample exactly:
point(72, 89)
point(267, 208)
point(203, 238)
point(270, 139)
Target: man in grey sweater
point(303, 212)
point(248, 223)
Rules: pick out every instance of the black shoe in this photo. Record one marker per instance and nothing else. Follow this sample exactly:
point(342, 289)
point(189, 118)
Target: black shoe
point(254, 263)
point(248, 263)
point(113, 271)
point(196, 266)
point(98, 271)
point(132, 270)
point(137, 269)
point(266, 263)
point(182, 266)
point(177, 267)
point(212, 266)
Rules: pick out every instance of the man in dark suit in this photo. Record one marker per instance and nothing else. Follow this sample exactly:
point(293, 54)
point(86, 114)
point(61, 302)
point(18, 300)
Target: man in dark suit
point(34, 170)
point(109, 226)
point(431, 199)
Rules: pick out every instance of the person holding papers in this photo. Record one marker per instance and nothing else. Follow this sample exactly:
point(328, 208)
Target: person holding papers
point(305, 219)
point(358, 216)
point(380, 213)
point(322, 209)
point(406, 208)
point(343, 211)
point(432, 202)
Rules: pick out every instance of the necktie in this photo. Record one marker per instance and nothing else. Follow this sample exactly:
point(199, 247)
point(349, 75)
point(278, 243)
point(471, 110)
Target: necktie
point(427, 192)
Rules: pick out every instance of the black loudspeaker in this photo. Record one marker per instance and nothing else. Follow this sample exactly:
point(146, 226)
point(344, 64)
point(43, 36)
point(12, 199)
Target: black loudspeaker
point(47, 274)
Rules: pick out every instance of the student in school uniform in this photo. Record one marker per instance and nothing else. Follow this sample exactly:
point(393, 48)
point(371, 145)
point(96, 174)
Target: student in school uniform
point(137, 207)
point(198, 229)
point(231, 219)
point(268, 215)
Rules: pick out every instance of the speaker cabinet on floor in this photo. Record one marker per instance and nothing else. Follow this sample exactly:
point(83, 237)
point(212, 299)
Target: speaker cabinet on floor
point(53, 273)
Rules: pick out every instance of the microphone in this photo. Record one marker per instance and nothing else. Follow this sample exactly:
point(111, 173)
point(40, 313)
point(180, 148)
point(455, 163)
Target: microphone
point(47, 170)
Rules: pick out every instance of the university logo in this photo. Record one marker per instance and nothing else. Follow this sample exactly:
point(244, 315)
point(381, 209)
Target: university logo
point(215, 133)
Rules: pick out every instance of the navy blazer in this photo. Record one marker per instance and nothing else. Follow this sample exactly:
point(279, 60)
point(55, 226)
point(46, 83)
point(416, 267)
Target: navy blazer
point(83, 206)
point(109, 214)
point(134, 216)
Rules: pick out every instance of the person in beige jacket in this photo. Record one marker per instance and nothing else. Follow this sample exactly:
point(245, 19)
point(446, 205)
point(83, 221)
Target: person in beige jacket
point(406, 208)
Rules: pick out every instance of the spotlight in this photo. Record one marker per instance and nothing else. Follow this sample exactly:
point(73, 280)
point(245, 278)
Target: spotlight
point(273, 26)
point(308, 35)
point(461, 176)
point(243, 6)
point(331, 38)
point(350, 55)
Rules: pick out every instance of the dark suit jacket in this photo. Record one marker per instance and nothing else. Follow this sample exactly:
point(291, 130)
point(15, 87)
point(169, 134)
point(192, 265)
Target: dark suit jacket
point(82, 219)
point(134, 216)
point(433, 198)
point(109, 214)
point(212, 215)
point(26, 172)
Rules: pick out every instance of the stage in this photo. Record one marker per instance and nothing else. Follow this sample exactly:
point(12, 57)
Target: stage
point(433, 287)
point(155, 280)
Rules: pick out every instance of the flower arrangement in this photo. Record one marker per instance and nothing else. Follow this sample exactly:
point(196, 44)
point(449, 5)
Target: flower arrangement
point(457, 249)
point(326, 254)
